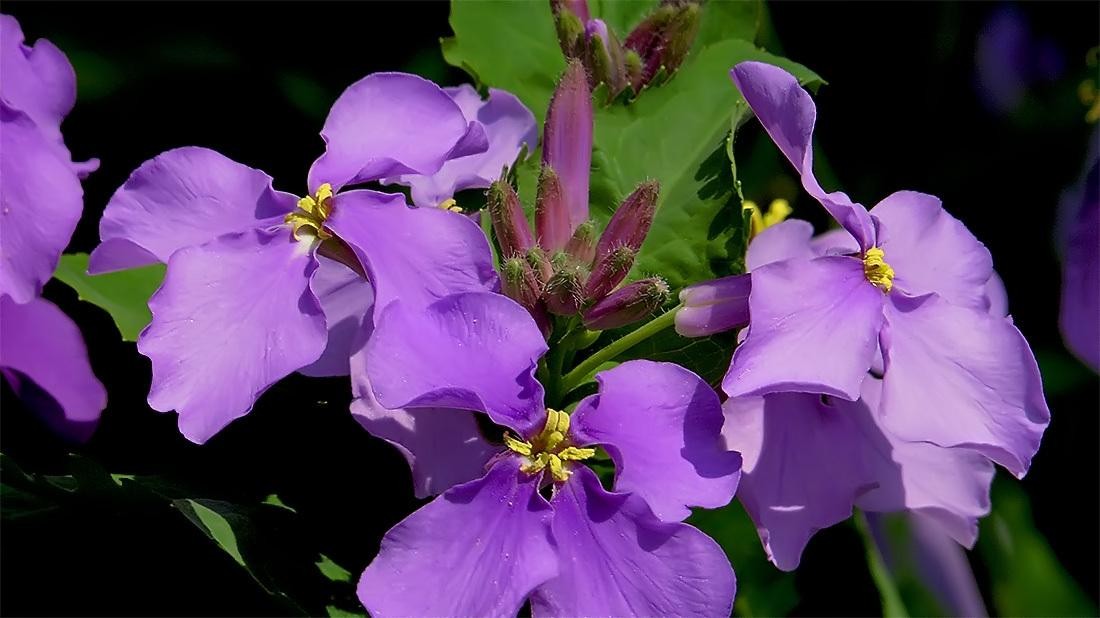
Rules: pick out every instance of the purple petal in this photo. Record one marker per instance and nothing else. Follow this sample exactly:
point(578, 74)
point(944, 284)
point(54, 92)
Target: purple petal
point(38, 80)
point(390, 124)
point(346, 300)
point(834, 242)
point(443, 447)
point(662, 425)
point(40, 204)
point(714, 306)
point(567, 141)
point(475, 351)
point(415, 254)
point(617, 559)
point(945, 569)
point(181, 198)
point(996, 297)
point(232, 317)
point(804, 465)
point(788, 114)
point(1080, 305)
point(814, 328)
point(41, 344)
point(509, 126)
point(477, 550)
point(948, 485)
point(786, 240)
point(931, 251)
point(961, 377)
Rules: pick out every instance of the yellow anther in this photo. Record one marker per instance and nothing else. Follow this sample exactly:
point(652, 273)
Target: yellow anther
point(450, 204)
point(312, 213)
point(877, 271)
point(777, 212)
point(550, 449)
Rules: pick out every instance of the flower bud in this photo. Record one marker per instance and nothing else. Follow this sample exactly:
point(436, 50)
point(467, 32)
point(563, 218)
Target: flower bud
point(663, 39)
point(714, 306)
point(632, 303)
point(582, 246)
point(536, 257)
point(565, 290)
point(629, 225)
point(552, 224)
point(520, 282)
point(570, 29)
point(605, 58)
point(579, 8)
point(509, 223)
point(567, 148)
point(609, 272)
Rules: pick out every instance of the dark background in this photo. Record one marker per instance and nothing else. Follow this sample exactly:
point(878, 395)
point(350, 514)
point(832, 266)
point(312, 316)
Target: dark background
point(254, 81)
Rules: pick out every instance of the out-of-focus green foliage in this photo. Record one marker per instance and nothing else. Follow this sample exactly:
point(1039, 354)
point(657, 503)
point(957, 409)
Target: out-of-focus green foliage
point(122, 294)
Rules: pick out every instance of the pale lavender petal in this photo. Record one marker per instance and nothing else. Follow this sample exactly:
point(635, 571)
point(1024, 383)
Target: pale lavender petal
point(931, 251)
point(346, 299)
point(834, 242)
point(40, 344)
point(617, 559)
point(804, 465)
point(944, 568)
point(477, 550)
point(714, 306)
point(232, 317)
point(961, 377)
point(389, 124)
point(567, 141)
point(948, 485)
point(40, 205)
point(38, 79)
point(813, 328)
point(509, 127)
point(443, 446)
point(996, 296)
point(417, 255)
point(786, 240)
point(474, 351)
point(662, 425)
point(788, 114)
point(181, 198)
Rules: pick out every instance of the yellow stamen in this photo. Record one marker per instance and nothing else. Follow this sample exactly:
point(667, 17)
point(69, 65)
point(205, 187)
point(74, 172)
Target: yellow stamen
point(312, 213)
point(1089, 96)
point(777, 212)
point(877, 271)
point(450, 204)
point(550, 449)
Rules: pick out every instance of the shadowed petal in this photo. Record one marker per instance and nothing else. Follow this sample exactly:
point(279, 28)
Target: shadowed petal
point(181, 198)
point(40, 344)
point(232, 317)
point(617, 559)
point(786, 240)
point(961, 377)
point(662, 425)
point(346, 299)
point(1079, 215)
point(389, 124)
point(477, 550)
point(38, 79)
point(813, 328)
point(714, 306)
point(474, 351)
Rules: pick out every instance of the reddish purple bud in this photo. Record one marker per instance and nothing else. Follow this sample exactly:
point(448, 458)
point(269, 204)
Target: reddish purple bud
point(552, 225)
point(714, 306)
point(520, 282)
point(632, 303)
point(536, 257)
point(629, 225)
point(663, 39)
point(582, 246)
point(565, 290)
point(609, 272)
point(509, 223)
point(605, 58)
point(567, 144)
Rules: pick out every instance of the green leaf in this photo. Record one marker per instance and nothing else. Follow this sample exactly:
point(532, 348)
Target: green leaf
point(1027, 577)
point(621, 15)
point(124, 294)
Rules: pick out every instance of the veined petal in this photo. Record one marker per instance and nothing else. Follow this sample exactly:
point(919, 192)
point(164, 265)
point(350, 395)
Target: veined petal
point(662, 425)
point(785, 240)
point(232, 317)
point(804, 465)
point(813, 328)
point(181, 198)
point(477, 550)
point(38, 79)
point(931, 251)
point(40, 204)
point(617, 559)
point(509, 126)
point(788, 114)
point(956, 376)
point(417, 255)
point(473, 351)
point(389, 124)
point(40, 344)
point(346, 299)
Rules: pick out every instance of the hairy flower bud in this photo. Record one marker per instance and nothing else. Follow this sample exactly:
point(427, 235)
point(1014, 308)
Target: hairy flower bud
point(605, 58)
point(629, 225)
point(582, 246)
point(565, 290)
point(632, 303)
point(567, 147)
point(609, 272)
point(536, 257)
point(663, 39)
point(520, 282)
point(509, 223)
point(552, 225)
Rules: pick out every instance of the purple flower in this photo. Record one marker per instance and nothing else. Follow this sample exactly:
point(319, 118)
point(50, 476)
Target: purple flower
point(486, 545)
point(42, 353)
point(1079, 241)
point(260, 284)
point(509, 126)
point(912, 287)
point(1010, 60)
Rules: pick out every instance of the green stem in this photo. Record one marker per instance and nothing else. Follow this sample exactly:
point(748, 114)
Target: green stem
point(576, 377)
point(892, 605)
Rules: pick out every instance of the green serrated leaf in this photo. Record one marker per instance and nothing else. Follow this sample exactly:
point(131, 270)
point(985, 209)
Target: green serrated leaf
point(124, 294)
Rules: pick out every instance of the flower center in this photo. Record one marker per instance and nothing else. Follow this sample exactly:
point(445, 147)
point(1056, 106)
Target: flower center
point(551, 448)
point(312, 213)
point(450, 204)
point(877, 271)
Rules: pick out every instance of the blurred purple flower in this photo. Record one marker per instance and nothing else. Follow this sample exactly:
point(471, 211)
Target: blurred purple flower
point(1079, 244)
point(1009, 59)
point(42, 353)
point(486, 545)
point(260, 284)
